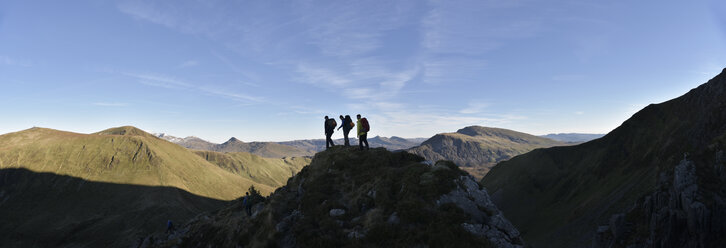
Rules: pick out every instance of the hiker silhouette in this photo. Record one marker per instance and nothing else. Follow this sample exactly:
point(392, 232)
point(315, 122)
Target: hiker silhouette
point(170, 227)
point(347, 125)
point(247, 204)
point(329, 129)
point(363, 128)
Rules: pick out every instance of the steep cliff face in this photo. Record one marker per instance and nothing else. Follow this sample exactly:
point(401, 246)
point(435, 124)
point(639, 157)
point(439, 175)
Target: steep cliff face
point(687, 210)
point(347, 197)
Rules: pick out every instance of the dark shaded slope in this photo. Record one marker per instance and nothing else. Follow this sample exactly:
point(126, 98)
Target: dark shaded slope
point(49, 210)
point(558, 196)
point(352, 198)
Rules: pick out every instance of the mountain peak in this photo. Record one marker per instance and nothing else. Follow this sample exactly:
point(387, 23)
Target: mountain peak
point(478, 130)
point(234, 140)
point(125, 130)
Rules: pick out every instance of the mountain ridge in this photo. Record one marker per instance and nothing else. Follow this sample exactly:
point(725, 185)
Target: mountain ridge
point(476, 149)
point(348, 197)
point(573, 137)
point(294, 148)
point(559, 196)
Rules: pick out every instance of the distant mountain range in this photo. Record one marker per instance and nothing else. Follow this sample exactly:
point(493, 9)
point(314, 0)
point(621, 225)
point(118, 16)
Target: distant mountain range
point(658, 180)
point(573, 137)
point(294, 148)
point(476, 149)
point(393, 143)
point(68, 189)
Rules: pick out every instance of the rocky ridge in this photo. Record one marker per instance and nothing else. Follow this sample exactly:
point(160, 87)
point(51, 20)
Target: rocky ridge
point(349, 198)
point(630, 188)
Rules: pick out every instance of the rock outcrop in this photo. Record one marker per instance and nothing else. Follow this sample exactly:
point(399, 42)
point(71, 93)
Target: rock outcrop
point(348, 197)
point(678, 214)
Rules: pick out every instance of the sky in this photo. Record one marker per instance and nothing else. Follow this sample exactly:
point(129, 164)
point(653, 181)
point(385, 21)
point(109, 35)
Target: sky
point(264, 70)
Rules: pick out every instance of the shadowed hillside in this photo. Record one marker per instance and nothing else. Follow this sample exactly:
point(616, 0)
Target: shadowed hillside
point(665, 163)
point(476, 149)
point(352, 198)
point(49, 210)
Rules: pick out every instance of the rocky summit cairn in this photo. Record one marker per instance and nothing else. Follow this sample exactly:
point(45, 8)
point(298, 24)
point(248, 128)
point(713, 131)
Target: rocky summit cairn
point(347, 197)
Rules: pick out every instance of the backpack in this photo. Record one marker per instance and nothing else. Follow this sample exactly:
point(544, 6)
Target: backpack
point(366, 127)
point(332, 123)
point(351, 124)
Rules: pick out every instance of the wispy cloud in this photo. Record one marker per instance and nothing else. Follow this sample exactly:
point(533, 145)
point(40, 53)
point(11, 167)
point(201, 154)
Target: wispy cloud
point(189, 63)
point(4, 60)
point(352, 28)
point(111, 104)
point(321, 77)
point(369, 83)
point(160, 81)
point(399, 118)
point(231, 95)
point(474, 107)
point(472, 27)
point(173, 83)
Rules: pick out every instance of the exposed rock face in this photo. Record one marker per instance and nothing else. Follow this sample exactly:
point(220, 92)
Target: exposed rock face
point(486, 220)
point(678, 214)
point(370, 198)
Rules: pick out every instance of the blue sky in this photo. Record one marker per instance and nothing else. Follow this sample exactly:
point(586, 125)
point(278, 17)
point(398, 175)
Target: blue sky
point(270, 70)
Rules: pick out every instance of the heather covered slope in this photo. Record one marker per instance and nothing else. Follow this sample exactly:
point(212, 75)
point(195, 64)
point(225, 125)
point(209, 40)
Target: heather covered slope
point(476, 149)
point(49, 210)
point(124, 155)
point(558, 196)
point(352, 198)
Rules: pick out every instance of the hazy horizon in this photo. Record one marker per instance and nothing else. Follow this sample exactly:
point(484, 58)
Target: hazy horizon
point(270, 71)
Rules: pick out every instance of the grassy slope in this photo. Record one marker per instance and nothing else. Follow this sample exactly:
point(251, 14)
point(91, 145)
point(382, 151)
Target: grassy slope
point(264, 149)
point(557, 196)
point(120, 155)
point(477, 149)
point(267, 171)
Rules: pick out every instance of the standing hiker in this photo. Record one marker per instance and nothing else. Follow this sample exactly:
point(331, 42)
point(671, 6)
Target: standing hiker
point(247, 204)
point(347, 125)
point(170, 227)
point(363, 129)
point(329, 129)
